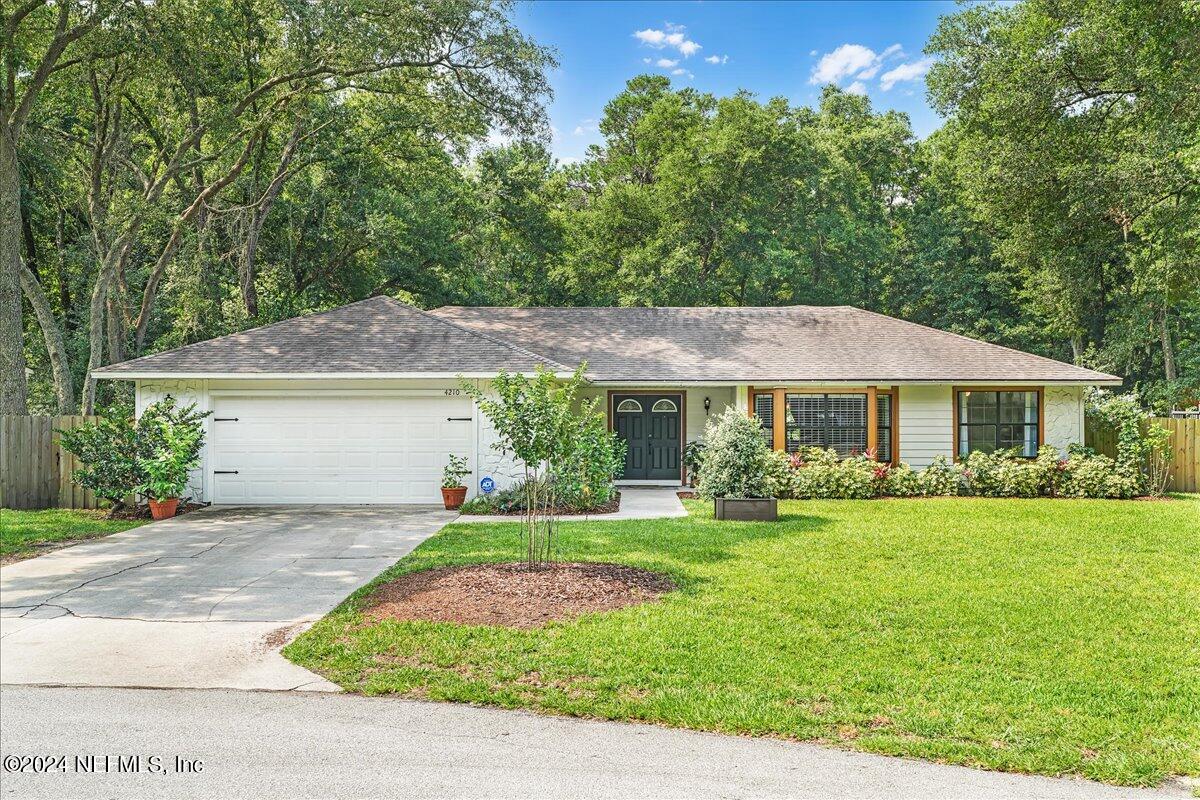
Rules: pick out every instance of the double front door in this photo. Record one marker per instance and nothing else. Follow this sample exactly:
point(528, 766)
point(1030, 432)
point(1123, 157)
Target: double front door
point(650, 425)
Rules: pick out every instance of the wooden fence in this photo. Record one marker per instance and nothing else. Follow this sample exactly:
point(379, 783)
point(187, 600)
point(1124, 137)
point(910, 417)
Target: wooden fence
point(1184, 468)
point(34, 471)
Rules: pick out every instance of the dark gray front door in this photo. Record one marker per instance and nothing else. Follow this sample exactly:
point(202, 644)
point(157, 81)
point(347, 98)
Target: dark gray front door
point(649, 424)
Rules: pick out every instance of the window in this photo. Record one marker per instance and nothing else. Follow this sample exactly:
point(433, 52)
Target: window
point(629, 406)
point(665, 407)
point(838, 421)
point(764, 409)
point(990, 421)
point(883, 404)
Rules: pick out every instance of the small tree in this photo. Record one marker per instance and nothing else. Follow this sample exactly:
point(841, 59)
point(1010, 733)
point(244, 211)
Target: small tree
point(735, 458)
point(561, 450)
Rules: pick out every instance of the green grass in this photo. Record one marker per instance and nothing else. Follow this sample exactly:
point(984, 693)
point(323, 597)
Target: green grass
point(1044, 636)
point(21, 532)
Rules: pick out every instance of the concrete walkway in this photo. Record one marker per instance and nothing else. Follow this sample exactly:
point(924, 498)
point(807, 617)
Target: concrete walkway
point(300, 745)
point(203, 600)
point(637, 502)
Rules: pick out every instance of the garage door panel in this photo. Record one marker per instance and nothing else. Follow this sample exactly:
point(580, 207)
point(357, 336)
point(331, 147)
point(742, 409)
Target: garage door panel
point(336, 449)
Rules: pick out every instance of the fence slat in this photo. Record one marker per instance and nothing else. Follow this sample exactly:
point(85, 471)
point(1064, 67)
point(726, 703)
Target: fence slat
point(1184, 469)
point(34, 471)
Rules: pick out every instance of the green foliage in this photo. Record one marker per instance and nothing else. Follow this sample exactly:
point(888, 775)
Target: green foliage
point(693, 457)
point(1091, 475)
point(455, 470)
point(27, 533)
point(1143, 449)
point(735, 460)
point(1005, 474)
point(821, 474)
point(569, 456)
point(152, 455)
point(940, 478)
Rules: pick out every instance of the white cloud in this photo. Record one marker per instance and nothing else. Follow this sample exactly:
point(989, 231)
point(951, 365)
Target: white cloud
point(858, 87)
point(645, 61)
point(586, 127)
point(682, 71)
point(851, 60)
point(905, 72)
point(670, 35)
point(812, 53)
point(666, 63)
point(717, 59)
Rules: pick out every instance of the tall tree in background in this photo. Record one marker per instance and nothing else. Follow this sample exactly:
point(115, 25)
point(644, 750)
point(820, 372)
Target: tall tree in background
point(1080, 150)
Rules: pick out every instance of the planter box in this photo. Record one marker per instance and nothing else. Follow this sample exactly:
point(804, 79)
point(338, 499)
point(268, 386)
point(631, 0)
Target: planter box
point(756, 509)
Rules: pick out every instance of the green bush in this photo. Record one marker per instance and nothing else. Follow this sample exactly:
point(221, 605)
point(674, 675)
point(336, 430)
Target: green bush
point(779, 472)
point(902, 481)
point(1143, 450)
point(824, 476)
point(152, 455)
point(585, 479)
point(735, 459)
point(1085, 474)
point(1004, 474)
point(939, 479)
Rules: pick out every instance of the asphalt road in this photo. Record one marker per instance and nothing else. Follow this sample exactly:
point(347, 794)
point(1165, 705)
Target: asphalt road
point(293, 744)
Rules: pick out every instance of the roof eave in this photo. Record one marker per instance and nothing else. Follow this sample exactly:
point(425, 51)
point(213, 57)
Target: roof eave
point(182, 375)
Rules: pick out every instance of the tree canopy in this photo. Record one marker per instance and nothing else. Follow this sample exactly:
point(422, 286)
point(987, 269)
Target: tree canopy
point(173, 172)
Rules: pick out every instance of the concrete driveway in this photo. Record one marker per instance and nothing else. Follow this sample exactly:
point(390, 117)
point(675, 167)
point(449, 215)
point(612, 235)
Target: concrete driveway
point(205, 600)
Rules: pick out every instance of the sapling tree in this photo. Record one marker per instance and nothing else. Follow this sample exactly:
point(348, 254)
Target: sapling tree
point(540, 420)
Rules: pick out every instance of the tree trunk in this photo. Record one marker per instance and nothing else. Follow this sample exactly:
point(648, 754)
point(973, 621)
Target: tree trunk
point(259, 217)
point(1168, 347)
point(64, 386)
point(1076, 349)
point(95, 338)
point(14, 390)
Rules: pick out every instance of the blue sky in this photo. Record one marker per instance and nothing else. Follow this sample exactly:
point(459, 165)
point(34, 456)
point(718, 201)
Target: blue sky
point(769, 48)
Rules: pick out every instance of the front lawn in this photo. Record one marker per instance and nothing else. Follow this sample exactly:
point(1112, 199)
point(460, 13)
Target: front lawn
point(1047, 636)
point(29, 533)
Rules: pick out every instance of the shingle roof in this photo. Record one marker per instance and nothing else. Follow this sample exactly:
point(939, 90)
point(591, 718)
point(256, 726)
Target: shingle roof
point(379, 335)
point(760, 345)
point(667, 345)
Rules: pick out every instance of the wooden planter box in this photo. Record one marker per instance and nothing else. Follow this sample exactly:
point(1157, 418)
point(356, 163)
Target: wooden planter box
point(755, 509)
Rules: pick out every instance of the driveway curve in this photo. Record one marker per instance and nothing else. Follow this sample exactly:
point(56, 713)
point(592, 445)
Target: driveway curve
point(204, 600)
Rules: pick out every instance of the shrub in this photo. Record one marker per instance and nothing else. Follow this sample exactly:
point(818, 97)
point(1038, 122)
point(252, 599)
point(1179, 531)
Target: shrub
point(693, 457)
point(939, 479)
point(597, 456)
point(902, 481)
point(1143, 449)
point(1004, 474)
point(824, 476)
point(779, 470)
point(1085, 474)
point(735, 458)
point(118, 455)
point(173, 452)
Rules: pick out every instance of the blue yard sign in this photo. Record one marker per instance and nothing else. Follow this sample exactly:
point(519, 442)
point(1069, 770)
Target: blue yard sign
point(487, 485)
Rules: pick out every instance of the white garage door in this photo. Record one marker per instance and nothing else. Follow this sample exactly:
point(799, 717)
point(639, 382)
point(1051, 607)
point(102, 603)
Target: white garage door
point(335, 449)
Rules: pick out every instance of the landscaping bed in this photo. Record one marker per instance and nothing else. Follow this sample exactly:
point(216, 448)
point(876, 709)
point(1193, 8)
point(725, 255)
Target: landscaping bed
point(513, 595)
point(1039, 636)
point(143, 512)
point(610, 507)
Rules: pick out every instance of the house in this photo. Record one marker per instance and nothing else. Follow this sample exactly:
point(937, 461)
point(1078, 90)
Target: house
point(363, 403)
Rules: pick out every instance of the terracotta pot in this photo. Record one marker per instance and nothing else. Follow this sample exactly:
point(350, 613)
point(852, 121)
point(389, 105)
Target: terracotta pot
point(453, 498)
point(163, 509)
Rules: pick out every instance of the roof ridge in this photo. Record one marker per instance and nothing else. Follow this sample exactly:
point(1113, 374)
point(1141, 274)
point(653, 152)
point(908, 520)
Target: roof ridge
point(1025, 353)
point(130, 361)
point(484, 336)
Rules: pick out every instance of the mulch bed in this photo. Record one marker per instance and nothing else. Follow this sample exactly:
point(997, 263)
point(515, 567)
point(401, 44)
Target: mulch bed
point(143, 512)
point(612, 506)
point(514, 595)
point(689, 495)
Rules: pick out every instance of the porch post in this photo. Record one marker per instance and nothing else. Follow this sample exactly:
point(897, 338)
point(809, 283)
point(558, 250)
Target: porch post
point(872, 420)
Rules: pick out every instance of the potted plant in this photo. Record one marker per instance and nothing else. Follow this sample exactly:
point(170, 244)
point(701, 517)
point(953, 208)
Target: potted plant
point(174, 454)
point(453, 490)
point(733, 472)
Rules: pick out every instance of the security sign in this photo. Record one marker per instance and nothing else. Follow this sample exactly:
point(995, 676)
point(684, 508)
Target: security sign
point(487, 485)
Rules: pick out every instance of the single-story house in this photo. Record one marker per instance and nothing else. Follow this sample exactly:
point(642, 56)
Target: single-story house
point(363, 403)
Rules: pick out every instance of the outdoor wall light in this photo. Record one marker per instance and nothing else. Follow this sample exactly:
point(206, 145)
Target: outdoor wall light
point(707, 405)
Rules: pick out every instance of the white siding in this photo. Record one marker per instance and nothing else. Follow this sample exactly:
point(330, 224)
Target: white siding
point(926, 424)
point(1064, 416)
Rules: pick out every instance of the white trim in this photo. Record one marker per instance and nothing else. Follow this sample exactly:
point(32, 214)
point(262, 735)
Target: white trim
point(337, 392)
point(860, 382)
point(614, 383)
